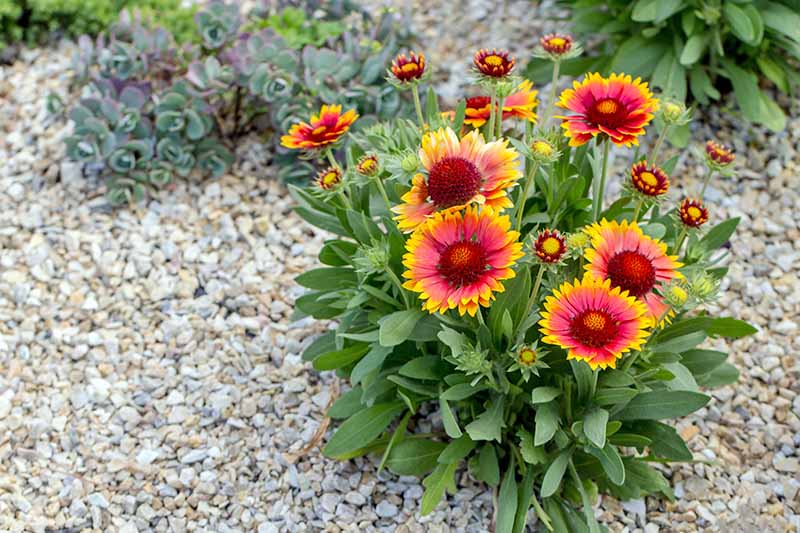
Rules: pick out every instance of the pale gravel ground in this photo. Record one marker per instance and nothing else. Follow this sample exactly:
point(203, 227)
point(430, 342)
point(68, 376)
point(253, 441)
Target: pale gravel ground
point(150, 377)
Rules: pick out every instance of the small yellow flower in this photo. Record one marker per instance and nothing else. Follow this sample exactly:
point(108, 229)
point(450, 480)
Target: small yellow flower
point(527, 356)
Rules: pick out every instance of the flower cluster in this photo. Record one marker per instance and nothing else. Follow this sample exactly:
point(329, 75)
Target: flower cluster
point(477, 268)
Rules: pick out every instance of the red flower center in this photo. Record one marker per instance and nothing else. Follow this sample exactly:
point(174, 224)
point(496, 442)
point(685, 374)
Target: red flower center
point(607, 112)
point(462, 263)
point(453, 181)
point(632, 272)
point(594, 327)
point(478, 102)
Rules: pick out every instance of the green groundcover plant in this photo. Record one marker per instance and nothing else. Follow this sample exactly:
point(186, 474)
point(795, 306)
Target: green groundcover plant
point(153, 110)
point(694, 48)
point(492, 310)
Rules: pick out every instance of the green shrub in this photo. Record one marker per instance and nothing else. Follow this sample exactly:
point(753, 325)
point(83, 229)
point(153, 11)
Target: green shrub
point(32, 21)
point(693, 49)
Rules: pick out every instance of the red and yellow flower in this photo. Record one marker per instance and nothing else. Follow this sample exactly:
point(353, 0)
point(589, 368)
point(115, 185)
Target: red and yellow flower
point(329, 178)
point(718, 154)
point(457, 259)
point(550, 246)
point(520, 104)
point(493, 63)
point(693, 213)
point(633, 262)
point(650, 181)
point(408, 68)
point(458, 172)
point(594, 321)
point(618, 107)
point(556, 44)
point(367, 165)
point(322, 130)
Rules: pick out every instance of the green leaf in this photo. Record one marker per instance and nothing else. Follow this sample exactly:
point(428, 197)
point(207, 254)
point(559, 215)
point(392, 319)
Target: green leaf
point(702, 361)
point(638, 55)
point(724, 374)
point(610, 461)
point(614, 395)
point(440, 480)
point(665, 440)
point(682, 343)
point(782, 19)
point(449, 420)
point(555, 472)
point(461, 391)
point(457, 450)
point(719, 234)
point(629, 439)
point(730, 328)
point(507, 511)
point(322, 279)
point(670, 76)
point(657, 405)
point(739, 22)
point(655, 10)
point(372, 361)
point(531, 454)
point(340, 358)
point(395, 328)
point(489, 425)
point(544, 394)
point(683, 380)
point(523, 501)
point(615, 378)
point(546, 423)
point(694, 48)
point(362, 428)
point(594, 426)
point(453, 340)
point(414, 457)
point(745, 87)
point(324, 343)
point(488, 466)
point(583, 378)
point(429, 367)
point(347, 404)
point(644, 479)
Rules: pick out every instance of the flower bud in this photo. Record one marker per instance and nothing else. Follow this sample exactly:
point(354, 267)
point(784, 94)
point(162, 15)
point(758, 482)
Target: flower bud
point(410, 162)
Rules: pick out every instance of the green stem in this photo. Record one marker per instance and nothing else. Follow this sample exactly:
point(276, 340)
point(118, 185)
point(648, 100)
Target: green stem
point(587, 505)
point(535, 291)
point(657, 148)
point(332, 160)
point(595, 375)
point(382, 190)
point(492, 112)
point(479, 316)
point(629, 362)
point(705, 183)
point(638, 208)
point(540, 512)
point(418, 106)
point(529, 180)
point(679, 240)
point(345, 199)
point(568, 400)
point(597, 200)
point(399, 284)
point(499, 132)
point(551, 101)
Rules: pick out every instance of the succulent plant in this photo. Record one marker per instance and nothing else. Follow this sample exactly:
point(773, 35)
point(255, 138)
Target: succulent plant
point(218, 23)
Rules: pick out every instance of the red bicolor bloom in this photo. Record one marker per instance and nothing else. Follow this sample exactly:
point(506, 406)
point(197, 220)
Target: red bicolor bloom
point(494, 63)
point(650, 181)
point(593, 321)
point(618, 107)
point(693, 213)
point(408, 68)
point(367, 165)
point(632, 261)
point(719, 154)
point(556, 44)
point(550, 246)
point(457, 259)
point(329, 178)
point(520, 104)
point(322, 130)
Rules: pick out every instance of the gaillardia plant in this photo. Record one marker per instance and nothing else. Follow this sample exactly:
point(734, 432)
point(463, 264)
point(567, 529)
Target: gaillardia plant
point(493, 311)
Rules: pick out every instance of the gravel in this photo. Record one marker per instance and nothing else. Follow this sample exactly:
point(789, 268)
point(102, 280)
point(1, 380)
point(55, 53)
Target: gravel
point(151, 372)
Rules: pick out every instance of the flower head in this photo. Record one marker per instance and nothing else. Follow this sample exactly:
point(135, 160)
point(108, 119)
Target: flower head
point(675, 113)
point(368, 165)
point(329, 178)
point(526, 356)
point(556, 44)
point(692, 213)
point(631, 261)
point(458, 259)
point(520, 104)
point(322, 130)
point(408, 69)
point(718, 155)
point(493, 63)
point(458, 172)
point(550, 246)
point(593, 321)
point(649, 181)
point(676, 295)
point(618, 107)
